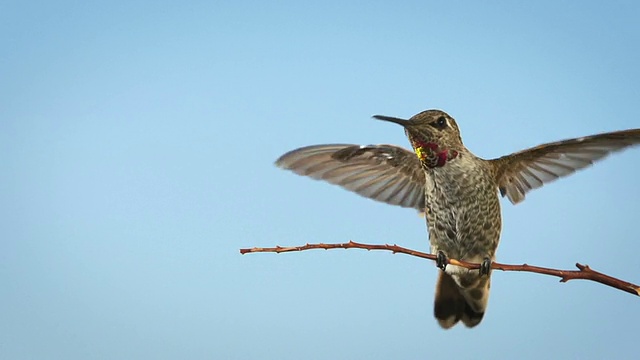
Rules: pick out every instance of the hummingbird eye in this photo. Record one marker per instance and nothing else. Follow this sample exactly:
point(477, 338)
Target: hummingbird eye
point(440, 123)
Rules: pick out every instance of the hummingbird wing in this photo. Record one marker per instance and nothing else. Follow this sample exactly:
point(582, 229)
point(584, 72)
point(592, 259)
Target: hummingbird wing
point(529, 169)
point(384, 173)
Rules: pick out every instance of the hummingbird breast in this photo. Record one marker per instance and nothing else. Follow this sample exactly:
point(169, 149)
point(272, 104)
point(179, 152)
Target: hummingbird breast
point(463, 209)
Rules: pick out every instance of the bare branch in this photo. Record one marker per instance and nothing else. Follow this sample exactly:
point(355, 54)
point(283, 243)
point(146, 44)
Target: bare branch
point(584, 272)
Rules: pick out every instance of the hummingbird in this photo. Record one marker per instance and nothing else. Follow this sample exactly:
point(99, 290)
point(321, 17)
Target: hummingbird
point(458, 191)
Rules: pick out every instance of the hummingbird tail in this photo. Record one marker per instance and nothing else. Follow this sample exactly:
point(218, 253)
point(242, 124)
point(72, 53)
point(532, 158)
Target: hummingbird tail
point(453, 303)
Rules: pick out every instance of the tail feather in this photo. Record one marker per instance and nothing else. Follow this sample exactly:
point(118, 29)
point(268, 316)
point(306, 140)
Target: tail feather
point(453, 303)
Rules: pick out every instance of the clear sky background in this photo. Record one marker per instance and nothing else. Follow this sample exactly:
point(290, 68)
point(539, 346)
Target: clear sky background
point(137, 142)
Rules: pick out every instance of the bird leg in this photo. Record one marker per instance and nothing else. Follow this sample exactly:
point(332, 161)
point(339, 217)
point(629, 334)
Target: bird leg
point(485, 267)
point(441, 260)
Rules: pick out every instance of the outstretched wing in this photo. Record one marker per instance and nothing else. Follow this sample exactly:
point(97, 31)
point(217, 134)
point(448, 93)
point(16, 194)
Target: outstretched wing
point(384, 173)
point(529, 169)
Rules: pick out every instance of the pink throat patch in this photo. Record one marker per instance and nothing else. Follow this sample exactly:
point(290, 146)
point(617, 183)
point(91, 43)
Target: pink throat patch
point(443, 155)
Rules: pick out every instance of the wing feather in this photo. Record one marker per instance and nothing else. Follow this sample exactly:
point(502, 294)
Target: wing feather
point(386, 173)
point(530, 169)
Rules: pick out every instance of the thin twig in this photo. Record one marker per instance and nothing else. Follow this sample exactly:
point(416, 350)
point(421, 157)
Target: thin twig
point(584, 272)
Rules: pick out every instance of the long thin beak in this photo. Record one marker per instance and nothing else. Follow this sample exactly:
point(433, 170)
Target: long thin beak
point(398, 121)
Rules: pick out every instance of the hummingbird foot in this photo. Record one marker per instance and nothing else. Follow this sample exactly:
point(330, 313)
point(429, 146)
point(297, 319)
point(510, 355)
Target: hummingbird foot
point(441, 260)
point(485, 267)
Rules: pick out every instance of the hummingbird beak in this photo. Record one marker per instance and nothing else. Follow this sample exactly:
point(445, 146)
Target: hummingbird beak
point(404, 123)
point(408, 125)
point(410, 128)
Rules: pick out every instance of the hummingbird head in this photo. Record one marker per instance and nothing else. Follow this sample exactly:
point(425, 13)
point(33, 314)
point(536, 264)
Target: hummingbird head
point(434, 136)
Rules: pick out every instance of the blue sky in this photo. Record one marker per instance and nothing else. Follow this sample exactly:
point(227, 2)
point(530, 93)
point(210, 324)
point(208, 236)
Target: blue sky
point(137, 142)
